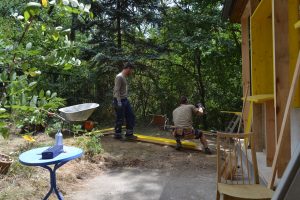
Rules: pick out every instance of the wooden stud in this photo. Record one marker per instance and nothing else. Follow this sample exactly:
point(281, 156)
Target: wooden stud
point(281, 76)
point(269, 131)
point(282, 132)
point(243, 109)
point(258, 127)
point(245, 59)
point(254, 159)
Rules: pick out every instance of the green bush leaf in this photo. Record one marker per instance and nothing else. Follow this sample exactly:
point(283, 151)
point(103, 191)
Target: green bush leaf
point(4, 116)
point(32, 84)
point(48, 93)
point(33, 9)
point(42, 93)
point(33, 101)
point(54, 94)
point(55, 36)
point(23, 108)
point(91, 15)
point(23, 99)
point(44, 27)
point(68, 66)
point(13, 76)
point(4, 76)
point(26, 15)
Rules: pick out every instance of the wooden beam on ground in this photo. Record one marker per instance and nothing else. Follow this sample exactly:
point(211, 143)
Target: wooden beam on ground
point(106, 131)
point(282, 132)
point(155, 140)
point(281, 77)
point(166, 141)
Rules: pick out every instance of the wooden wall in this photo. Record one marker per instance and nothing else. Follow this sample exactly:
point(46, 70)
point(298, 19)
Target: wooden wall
point(262, 49)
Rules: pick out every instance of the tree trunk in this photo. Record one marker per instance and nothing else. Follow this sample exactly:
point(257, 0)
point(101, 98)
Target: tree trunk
point(119, 34)
point(199, 81)
point(73, 27)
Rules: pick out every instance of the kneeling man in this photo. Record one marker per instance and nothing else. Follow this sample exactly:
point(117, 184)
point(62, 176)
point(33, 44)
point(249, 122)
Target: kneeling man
point(183, 121)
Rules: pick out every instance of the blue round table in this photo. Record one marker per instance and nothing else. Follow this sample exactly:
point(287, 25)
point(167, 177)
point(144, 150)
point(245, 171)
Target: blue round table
point(34, 158)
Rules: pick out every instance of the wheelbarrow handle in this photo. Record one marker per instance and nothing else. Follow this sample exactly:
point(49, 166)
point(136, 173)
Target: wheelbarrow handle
point(52, 114)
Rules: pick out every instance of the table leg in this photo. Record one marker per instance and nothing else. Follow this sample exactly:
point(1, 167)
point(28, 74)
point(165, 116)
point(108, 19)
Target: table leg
point(53, 186)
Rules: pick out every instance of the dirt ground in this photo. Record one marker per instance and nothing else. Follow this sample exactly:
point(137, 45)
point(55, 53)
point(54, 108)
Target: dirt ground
point(164, 172)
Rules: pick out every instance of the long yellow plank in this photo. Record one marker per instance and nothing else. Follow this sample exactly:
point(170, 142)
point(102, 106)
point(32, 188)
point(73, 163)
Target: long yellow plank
point(231, 112)
point(104, 131)
point(154, 140)
point(166, 141)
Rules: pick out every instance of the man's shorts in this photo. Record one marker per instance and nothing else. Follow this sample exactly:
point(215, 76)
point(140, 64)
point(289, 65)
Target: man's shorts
point(187, 133)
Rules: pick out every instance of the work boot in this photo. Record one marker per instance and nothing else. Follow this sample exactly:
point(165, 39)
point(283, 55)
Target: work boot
point(207, 151)
point(130, 137)
point(178, 145)
point(118, 136)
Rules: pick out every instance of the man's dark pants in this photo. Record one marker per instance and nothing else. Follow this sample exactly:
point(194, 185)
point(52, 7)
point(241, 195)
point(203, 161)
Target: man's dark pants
point(124, 111)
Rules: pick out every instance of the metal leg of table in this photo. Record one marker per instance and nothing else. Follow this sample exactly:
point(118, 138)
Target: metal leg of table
point(53, 186)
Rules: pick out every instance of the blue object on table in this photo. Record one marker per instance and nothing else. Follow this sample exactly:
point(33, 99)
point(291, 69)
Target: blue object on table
point(52, 152)
point(34, 158)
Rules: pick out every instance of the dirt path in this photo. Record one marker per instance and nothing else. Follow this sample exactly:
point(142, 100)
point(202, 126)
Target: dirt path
point(125, 171)
point(142, 171)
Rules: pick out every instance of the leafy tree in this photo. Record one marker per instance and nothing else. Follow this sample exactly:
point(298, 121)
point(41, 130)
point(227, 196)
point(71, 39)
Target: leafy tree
point(178, 48)
point(37, 43)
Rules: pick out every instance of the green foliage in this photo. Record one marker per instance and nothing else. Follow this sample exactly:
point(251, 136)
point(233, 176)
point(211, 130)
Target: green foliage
point(90, 143)
point(33, 44)
point(178, 48)
point(203, 63)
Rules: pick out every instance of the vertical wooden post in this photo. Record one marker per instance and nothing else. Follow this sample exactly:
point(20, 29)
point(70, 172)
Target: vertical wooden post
point(281, 76)
point(270, 139)
point(257, 127)
point(254, 159)
point(246, 59)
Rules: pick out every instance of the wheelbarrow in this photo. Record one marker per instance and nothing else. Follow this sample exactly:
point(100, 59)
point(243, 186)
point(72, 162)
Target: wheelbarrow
point(75, 113)
point(78, 113)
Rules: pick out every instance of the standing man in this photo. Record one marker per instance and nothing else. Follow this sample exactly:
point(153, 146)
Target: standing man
point(122, 105)
point(183, 121)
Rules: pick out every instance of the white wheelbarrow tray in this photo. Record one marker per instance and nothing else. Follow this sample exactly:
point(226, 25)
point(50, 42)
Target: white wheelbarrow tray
point(80, 112)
